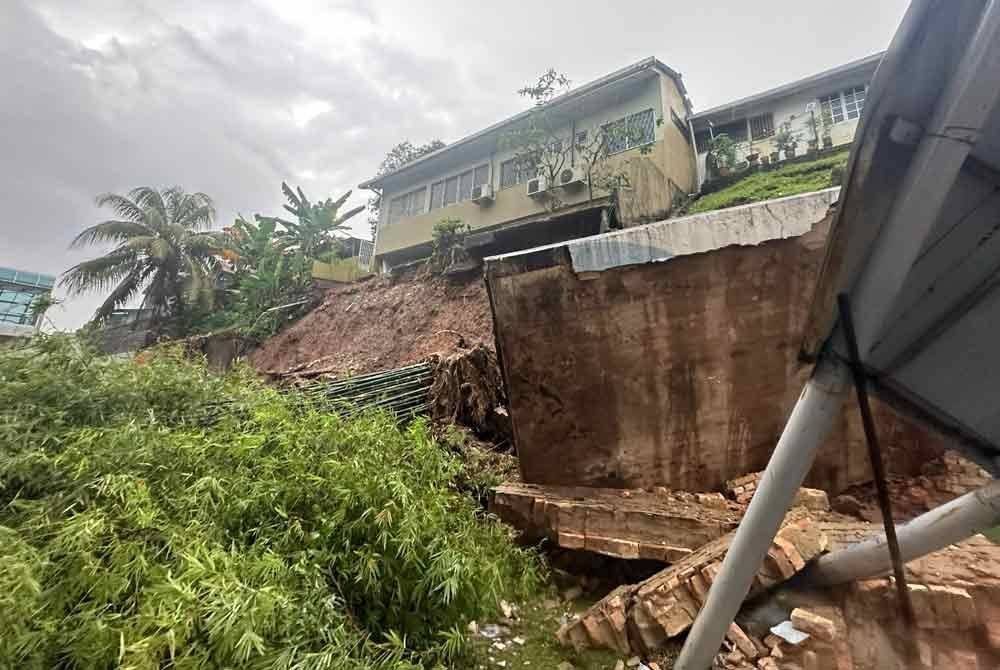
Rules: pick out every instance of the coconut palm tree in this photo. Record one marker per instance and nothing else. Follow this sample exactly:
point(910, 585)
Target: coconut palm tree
point(163, 250)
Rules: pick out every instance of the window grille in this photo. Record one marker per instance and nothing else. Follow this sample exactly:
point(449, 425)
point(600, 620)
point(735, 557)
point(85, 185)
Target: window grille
point(844, 105)
point(641, 129)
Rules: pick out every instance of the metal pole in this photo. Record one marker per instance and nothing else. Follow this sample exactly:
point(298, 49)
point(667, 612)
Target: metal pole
point(950, 523)
point(807, 427)
point(875, 456)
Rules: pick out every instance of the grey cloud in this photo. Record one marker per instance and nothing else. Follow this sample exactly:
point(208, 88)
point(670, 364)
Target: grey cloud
point(201, 94)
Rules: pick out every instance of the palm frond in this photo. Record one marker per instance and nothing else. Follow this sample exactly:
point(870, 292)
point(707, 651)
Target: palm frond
point(339, 202)
point(198, 289)
point(293, 198)
point(122, 206)
point(348, 214)
point(99, 273)
point(160, 249)
point(194, 211)
point(110, 231)
point(147, 197)
point(128, 288)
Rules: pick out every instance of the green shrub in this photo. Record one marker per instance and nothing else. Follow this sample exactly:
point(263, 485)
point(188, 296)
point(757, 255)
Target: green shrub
point(154, 516)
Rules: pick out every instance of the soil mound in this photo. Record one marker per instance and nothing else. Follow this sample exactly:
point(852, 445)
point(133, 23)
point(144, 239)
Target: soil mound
point(381, 324)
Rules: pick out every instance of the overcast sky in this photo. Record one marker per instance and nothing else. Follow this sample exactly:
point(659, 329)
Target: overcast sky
point(231, 97)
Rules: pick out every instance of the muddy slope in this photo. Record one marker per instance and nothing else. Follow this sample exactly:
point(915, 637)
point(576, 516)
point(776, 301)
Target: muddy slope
point(381, 324)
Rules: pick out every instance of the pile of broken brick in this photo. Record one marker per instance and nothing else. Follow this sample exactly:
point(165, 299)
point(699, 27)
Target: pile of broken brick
point(785, 623)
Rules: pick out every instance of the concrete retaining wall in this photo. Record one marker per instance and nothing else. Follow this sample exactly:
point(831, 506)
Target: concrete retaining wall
point(666, 355)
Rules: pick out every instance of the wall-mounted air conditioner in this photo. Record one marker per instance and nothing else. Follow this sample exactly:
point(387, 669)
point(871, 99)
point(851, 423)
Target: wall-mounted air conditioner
point(482, 193)
point(571, 176)
point(537, 186)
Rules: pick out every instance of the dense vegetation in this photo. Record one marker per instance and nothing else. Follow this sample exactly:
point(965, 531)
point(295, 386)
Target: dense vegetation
point(253, 275)
point(154, 516)
point(778, 183)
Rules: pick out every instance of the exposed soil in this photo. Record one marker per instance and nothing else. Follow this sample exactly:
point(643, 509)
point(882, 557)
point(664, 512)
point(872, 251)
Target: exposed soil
point(381, 324)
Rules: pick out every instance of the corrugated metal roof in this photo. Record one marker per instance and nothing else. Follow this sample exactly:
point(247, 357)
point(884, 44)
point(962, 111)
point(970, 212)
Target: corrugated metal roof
point(660, 241)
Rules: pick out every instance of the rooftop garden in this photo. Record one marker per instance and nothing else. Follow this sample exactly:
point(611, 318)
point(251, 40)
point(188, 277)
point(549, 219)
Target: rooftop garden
point(798, 177)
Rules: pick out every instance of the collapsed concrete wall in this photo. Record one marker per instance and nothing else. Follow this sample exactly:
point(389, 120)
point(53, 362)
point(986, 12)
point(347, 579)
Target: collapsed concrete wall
point(666, 355)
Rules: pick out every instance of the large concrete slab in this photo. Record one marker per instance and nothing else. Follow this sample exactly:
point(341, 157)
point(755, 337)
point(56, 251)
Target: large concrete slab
point(662, 526)
point(666, 354)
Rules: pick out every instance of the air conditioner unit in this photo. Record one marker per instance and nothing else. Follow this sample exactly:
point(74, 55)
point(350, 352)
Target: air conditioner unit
point(571, 176)
point(482, 193)
point(537, 186)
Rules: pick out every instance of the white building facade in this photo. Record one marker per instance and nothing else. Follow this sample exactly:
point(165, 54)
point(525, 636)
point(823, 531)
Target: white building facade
point(825, 105)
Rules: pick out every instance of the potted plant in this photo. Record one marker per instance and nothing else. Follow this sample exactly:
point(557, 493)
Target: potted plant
point(785, 140)
point(723, 148)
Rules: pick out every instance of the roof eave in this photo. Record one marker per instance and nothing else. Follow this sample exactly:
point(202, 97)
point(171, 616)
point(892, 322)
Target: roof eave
point(791, 88)
point(650, 62)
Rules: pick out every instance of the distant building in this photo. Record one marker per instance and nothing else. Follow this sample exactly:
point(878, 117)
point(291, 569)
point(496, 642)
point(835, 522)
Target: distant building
point(753, 121)
point(19, 295)
point(478, 180)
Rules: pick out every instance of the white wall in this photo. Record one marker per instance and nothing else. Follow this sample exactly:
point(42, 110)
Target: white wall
point(794, 105)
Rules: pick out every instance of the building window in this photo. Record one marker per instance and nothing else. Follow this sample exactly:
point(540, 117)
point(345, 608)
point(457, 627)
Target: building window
point(458, 188)
point(450, 191)
point(437, 195)
point(18, 293)
point(516, 171)
point(630, 132)
point(844, 105)
point(736, 130)
point(481, 175)
point(408, 204)
point(762, 126)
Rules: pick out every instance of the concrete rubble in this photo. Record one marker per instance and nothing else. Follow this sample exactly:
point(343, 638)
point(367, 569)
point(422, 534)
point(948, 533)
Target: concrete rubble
point(955, 592)
point(956, 598)
point(644, 616)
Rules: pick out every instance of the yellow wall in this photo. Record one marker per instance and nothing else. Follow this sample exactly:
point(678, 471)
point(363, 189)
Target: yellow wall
point(670, 157)
point(679, 157)
point(342, 270)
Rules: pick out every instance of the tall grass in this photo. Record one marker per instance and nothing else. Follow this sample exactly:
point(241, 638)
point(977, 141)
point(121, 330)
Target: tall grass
point(139, 531)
